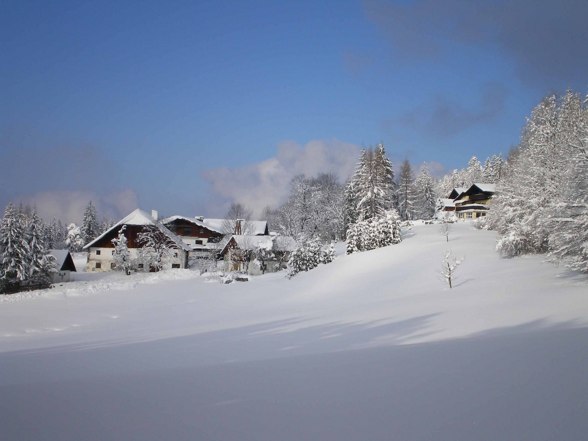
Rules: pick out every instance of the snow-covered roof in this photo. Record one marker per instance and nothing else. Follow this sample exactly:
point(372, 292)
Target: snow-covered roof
point(60, 257)
point(251, 227)
point(490, 188)
point(445, 202)
point(142, 218)
point(250, 242)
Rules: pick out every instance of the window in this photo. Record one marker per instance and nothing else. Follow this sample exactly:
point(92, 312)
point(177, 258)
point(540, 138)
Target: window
point(98, 265)
point(140, 266)
point(113, 252)
point(199, 242)
point(175, 265)
point(98, 252)
point(112, 265)
point(175, 254)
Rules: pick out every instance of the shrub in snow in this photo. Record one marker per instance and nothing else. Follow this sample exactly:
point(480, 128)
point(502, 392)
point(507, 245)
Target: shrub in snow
point(156, 249)
point(374, 233)
point(309, 256)
point(514, 244)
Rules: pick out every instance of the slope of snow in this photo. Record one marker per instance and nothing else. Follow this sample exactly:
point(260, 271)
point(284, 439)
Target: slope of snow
point(374, 346)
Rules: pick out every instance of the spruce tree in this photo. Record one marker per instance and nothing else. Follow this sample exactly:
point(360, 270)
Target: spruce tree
point(406, 196)
point(37, 262)
point(13, 248)
point(425, 197)
point(90, 228)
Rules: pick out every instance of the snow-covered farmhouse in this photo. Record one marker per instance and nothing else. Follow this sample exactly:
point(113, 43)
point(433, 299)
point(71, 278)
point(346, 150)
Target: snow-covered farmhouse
point(473, 202)
point(64, 266)
point(256, 254)
point(192, 238)
point(101, 249)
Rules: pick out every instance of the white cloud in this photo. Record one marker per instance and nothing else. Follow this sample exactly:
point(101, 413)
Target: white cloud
point(69, 205)
point(267, 183)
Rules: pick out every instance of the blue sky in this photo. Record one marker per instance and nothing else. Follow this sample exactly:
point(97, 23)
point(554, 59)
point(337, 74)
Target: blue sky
point(186, 105)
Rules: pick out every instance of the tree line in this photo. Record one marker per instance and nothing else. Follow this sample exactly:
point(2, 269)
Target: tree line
point(25, 242)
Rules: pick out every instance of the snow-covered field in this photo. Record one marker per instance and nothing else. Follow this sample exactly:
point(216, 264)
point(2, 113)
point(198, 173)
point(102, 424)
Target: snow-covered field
point(374, 346)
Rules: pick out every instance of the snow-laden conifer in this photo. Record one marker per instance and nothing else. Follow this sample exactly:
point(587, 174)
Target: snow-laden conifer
point(122, 256)
point(90, 228)
point(308, 256)
point(425, 196)
point(37, 262)
point(406, 193)
point(373, 233)
point(13, 248)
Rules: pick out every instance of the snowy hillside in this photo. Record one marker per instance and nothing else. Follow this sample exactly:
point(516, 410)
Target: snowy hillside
point(374, 346)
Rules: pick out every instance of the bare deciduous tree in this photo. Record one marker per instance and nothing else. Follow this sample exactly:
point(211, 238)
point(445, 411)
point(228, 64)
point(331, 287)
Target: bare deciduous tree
point(449, 266)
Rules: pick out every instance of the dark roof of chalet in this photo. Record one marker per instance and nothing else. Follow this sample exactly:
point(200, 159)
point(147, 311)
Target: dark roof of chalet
point(142, 218)
point(456, 192)
point(63, 260)
point(482, 188)
point(251, 227)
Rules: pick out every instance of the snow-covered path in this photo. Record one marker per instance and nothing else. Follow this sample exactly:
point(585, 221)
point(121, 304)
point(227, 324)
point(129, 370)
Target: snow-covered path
point(373, 346)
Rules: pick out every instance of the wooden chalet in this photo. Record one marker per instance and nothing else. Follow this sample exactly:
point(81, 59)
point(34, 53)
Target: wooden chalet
point(201, 239)
point(101, 249)
point(474, 202)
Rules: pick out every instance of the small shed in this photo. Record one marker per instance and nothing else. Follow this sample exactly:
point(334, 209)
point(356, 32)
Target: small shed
point(64, 266)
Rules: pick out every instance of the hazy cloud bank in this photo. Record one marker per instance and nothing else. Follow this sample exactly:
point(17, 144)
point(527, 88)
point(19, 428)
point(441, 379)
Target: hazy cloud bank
point(69, 205)
point(267, 183)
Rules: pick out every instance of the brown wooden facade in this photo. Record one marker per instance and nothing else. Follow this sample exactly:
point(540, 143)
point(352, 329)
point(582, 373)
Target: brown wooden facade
point(185, 228)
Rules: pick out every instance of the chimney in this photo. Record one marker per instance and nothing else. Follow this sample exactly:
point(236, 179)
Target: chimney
point(155, 215)
point(199, 218)
point(238, 227)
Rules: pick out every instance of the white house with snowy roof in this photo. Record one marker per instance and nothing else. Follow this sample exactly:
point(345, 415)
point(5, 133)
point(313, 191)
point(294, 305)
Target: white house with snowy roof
point(191, 237)
point(101, 249)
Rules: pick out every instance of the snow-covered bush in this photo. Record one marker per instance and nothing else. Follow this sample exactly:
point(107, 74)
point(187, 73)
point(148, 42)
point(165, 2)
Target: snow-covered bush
point(309, 256)
point(374, 233)
point(514, 244)
point(122, 256)
point(156, 249)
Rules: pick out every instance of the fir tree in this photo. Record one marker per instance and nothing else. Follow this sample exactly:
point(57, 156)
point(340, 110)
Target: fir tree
point(425, 197)
point(406, 196)
point(90, 228)
point(13, 248)
point(37, 262)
